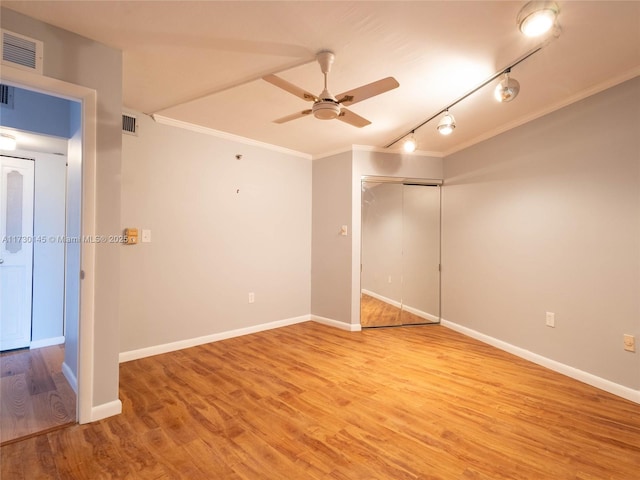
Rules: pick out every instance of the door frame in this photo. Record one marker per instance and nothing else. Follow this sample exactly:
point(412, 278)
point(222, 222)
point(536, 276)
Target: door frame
point(88, 100)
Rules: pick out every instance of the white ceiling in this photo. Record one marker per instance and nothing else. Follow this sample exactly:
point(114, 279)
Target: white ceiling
point(201, 62)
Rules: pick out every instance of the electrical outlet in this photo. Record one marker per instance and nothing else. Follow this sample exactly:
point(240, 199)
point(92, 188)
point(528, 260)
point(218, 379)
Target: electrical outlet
point(551, 319)
point(629, 343)
point(389, 279)
point(252, 297)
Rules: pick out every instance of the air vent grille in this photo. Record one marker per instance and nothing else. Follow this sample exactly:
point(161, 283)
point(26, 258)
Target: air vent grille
point(22, 52)
point(6, 96)
point(129, 124)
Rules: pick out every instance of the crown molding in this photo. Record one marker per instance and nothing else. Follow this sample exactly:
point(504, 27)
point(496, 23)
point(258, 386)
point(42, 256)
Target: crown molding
point(226, 136)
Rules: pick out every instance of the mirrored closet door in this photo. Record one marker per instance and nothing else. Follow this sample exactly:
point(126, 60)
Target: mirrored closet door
point(400, 256)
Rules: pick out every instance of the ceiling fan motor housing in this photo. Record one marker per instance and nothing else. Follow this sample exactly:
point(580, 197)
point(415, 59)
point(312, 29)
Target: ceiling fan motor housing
point(326, 109)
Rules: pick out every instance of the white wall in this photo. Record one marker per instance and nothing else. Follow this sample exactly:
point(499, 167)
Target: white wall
point(546, 218)
point(220, 228)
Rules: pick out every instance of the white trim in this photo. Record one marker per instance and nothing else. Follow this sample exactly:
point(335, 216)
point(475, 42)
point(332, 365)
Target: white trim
point(427, 316)
point(71, 378)
point(88, 98)
point(106, 410)
point(225, 135)
point(46, 342)
point(215, 337)
point(612, 82)
point(350, 327)
point(582, 376)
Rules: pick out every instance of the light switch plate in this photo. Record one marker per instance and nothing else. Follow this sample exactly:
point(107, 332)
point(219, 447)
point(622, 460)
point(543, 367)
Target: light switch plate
point(146, 236)
point(551, 319)
point(629, 343)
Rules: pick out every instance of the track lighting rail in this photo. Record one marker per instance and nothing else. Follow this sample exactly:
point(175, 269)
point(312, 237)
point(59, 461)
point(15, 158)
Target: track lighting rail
point(504, 70)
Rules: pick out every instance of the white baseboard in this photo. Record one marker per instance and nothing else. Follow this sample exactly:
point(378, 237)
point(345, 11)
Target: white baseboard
point(585, 377)
point(215, 337)
point(421, 314)
point(46, 342)
point(70, 376)
point(106, 410)
point(350, 327)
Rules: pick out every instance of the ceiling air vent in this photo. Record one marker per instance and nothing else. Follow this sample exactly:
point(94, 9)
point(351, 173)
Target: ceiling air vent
point(21, 52)
point(129, 124)
point(6, 96)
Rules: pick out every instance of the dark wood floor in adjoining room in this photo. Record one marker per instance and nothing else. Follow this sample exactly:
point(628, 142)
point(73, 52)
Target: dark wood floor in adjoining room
point(312, 402)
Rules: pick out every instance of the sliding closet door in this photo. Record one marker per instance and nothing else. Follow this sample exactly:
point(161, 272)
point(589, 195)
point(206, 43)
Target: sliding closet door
point(381, 254)
point(420, 254)
point(400, 255)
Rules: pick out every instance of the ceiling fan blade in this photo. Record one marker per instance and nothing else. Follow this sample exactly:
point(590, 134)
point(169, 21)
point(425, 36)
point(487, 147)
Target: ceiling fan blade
point(290, 87)
point(293, 116)
point(367, 91)
point(347, 116)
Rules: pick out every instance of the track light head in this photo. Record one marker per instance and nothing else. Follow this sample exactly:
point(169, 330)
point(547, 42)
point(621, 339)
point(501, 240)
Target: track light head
point(537, 18)
point(410, 144)
point(507, 89)
point(446, 124)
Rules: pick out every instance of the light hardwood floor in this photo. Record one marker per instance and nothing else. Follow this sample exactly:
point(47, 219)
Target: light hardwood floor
point(312, 402)
point(35, 396)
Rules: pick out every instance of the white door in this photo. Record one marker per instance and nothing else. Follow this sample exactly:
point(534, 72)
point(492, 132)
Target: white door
point(16, 252)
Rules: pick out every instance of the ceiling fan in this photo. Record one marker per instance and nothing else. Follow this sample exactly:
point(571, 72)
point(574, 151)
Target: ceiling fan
point(326, 106)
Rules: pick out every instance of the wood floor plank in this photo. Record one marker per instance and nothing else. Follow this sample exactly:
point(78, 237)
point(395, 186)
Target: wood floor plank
point(315, 403)
point(36, 397)
point(16, 409)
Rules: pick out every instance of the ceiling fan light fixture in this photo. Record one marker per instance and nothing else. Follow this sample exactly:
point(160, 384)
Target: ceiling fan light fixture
point(325, 110)
point(8, 142)
point(410, 144)
point(537, 18)
point(507, 89)
point(446, 124)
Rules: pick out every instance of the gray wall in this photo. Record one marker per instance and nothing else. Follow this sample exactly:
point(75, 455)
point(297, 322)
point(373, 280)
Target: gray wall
point(546, 218)
point(331, 252)
point(78, 60)
point(220, 228)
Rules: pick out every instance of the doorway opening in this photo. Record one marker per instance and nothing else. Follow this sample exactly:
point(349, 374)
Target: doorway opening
point(40, 370)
